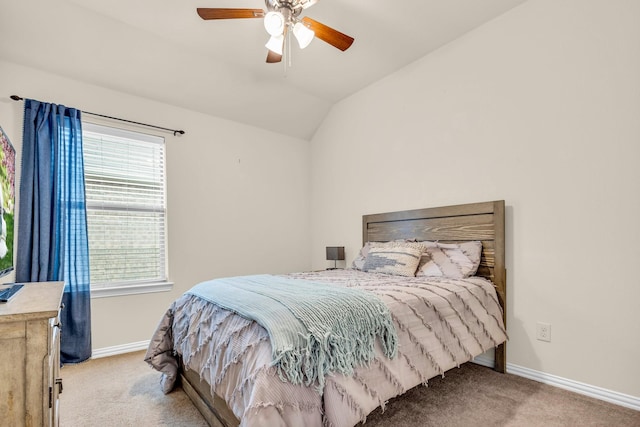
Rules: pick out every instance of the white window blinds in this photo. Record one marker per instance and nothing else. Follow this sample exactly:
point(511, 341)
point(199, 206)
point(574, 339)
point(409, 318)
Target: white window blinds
point(126, 208)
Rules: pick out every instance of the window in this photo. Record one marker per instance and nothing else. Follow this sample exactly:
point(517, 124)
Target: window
point(126, 210)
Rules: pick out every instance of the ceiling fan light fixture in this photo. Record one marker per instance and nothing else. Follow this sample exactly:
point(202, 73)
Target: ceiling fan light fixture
point(275, 44)
point(274, 23)
point(303, 34)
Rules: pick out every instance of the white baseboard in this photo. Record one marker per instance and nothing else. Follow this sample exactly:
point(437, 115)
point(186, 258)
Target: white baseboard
point(119, 349)
point(610, 396)
point(614, 397)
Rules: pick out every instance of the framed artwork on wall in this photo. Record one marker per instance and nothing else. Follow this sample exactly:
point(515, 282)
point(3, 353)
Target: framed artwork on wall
point(7, 202)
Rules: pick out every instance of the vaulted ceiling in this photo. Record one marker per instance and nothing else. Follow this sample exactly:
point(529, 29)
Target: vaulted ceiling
point(162, 50)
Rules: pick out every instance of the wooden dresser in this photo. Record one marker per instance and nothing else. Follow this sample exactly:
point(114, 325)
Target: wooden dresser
point(30, 356)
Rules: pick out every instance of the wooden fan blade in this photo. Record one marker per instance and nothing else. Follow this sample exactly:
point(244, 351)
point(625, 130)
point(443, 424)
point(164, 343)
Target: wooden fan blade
point(222, 13)
point(273, 57)
point(327, 34)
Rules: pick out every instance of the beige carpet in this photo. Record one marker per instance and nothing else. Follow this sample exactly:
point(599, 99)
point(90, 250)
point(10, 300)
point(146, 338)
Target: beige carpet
point(124, 391)
point(121, 391)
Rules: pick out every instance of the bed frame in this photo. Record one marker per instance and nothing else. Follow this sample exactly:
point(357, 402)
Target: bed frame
point(459, 223)
point(453, 224)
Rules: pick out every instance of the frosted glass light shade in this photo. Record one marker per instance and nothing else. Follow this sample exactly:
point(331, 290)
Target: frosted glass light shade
point(303, 34)
point(275, 44)
point(274, 23)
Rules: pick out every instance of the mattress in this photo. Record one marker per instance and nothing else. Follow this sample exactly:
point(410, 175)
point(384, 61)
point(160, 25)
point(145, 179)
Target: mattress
point(440, 322)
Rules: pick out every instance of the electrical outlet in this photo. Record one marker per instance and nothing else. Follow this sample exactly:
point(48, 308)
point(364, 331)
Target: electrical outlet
point(543, 331)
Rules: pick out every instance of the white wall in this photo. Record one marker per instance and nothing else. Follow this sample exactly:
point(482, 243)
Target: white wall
point(238, 196)
point(541, 108)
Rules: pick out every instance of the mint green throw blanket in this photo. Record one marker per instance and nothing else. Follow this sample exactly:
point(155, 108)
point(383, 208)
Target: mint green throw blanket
point(315, 328)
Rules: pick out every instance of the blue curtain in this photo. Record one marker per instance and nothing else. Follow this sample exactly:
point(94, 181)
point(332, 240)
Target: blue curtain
point(52, 233)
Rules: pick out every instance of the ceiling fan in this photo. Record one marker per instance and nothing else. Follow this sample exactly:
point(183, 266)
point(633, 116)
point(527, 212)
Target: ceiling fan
point(282, 17)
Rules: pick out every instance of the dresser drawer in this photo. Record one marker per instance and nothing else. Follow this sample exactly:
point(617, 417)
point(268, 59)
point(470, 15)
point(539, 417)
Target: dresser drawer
point(30, 356)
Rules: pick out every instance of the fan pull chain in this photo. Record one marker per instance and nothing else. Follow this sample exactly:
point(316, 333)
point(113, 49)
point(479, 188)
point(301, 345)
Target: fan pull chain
point(284, 66)
point(289, 49)
point(285, 53)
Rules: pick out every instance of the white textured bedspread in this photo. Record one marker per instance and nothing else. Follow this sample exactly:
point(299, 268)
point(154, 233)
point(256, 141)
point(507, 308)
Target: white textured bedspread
point(441, 323)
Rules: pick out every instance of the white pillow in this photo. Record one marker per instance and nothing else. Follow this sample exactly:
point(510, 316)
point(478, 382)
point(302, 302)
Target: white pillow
point(399, 259)
point(455, 260)
point(358, 262)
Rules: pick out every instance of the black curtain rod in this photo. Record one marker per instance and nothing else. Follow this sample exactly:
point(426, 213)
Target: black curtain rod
point(175, 132)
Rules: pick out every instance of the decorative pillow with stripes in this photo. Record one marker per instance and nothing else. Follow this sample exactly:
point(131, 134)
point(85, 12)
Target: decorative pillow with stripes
point(455, 260)
point(398, 258)
point(358, 262)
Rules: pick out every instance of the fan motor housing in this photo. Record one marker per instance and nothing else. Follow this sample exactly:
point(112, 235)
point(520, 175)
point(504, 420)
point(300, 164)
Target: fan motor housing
point(293, 6)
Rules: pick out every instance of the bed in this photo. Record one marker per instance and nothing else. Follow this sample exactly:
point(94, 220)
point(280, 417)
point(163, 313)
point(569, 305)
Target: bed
point(223, 361)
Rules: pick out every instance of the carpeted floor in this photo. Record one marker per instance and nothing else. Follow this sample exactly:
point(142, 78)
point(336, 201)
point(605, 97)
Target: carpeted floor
point(123, 391)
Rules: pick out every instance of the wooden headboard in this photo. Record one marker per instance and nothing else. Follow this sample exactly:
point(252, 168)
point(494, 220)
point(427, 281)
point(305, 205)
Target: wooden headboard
point(448, 224)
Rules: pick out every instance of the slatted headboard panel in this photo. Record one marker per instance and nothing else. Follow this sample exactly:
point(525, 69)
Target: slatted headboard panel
point(474, 221)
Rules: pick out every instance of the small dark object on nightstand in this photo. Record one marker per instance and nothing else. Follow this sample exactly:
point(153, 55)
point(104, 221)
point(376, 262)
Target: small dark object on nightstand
point(335, 254)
